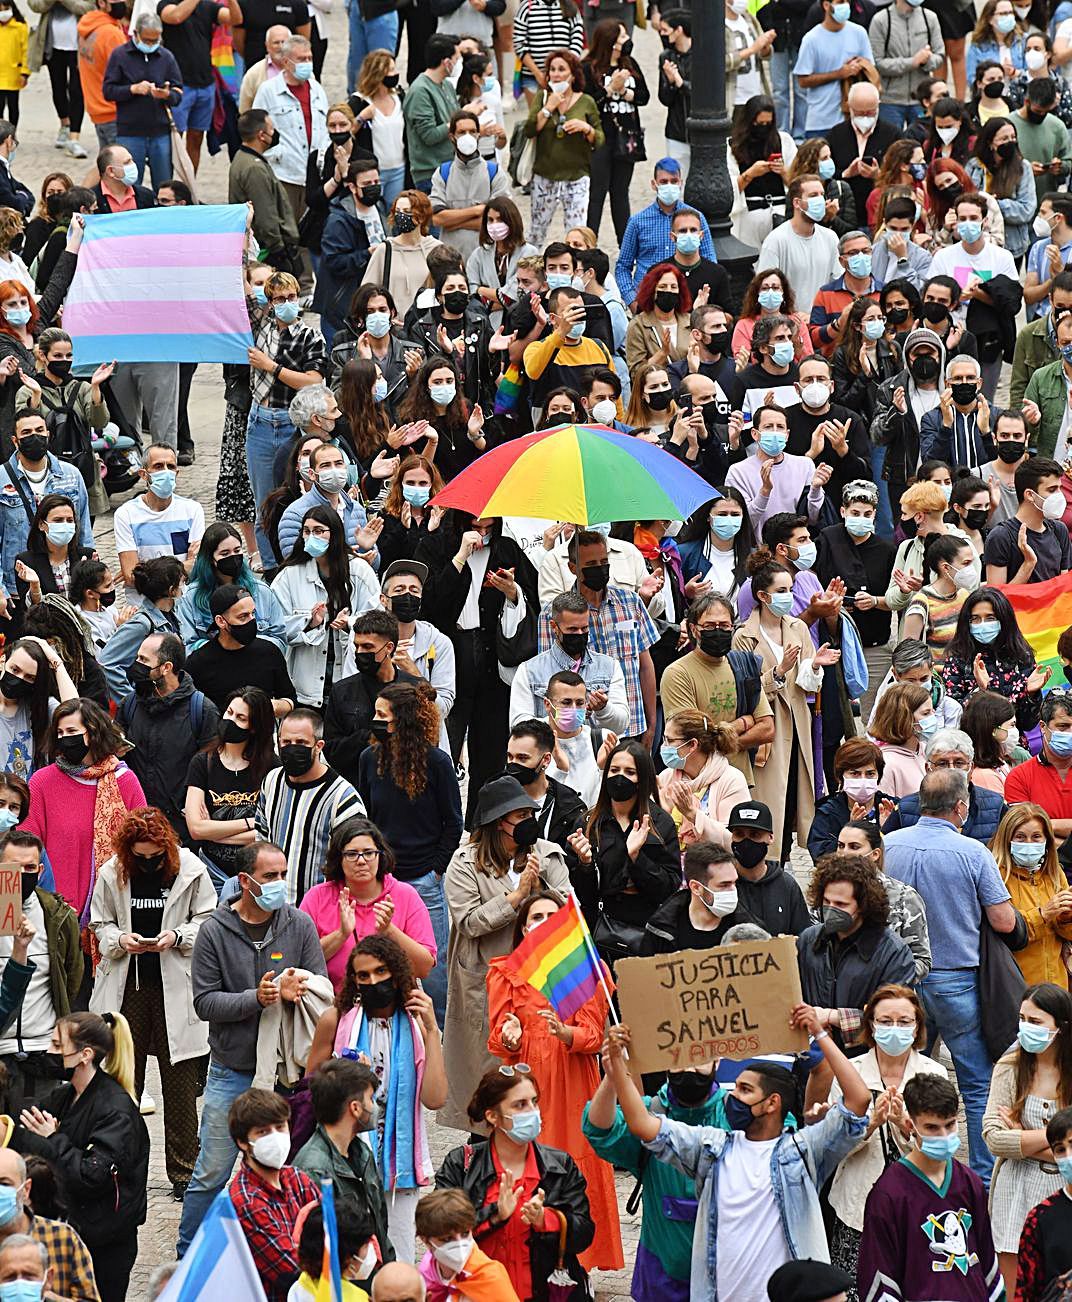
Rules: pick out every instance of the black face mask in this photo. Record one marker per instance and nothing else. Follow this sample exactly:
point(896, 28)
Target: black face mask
point(574, 644)
point(596, 577)
point(626, 50)
point(339, 137)
point(993, 90)
point(53, 205)
point(379, 729)
point(406, 607)
point(715, 641)
point(370, 194)
point(523, 773)
point(243, 633)
point(404, 223)
point(367, 662)
point(621, 788)
point(976, 517)
point(660, 400)
point(835, 921)
point(62, 368)
point(897, 315)
point(933, 312)
point(924, 369)
point(391, 80)
point(34, 446)
point(146, 863)
point(1006, 151)
point(377, 995)
point(73, 749)
point(231, 731)
point(719, 341)
point(29, 885)
point(231, 565)
point(666, 300)
point(139, 675)
point(1010, 451)
point(526, 833)
point(690, 1088)
point(296, 759)
point(106, 598)
point(1034, 116)
point(964, 392)
point(455, 301)
point(15, 689)
point(749, 854)
point(274, 140)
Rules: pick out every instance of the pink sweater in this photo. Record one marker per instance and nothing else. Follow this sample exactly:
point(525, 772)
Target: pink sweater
point(61, 814)
point(410, 916)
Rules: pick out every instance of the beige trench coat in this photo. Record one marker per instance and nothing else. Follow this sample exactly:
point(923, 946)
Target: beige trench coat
point(481, 928)
point(792, 726)
point(190, 901)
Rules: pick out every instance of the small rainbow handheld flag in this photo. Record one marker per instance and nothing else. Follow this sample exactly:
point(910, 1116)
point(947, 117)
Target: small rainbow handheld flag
point(558, 959)
point(1043, 612)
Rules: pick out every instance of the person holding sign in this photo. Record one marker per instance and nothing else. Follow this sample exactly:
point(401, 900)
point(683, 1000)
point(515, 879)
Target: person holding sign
point(746, 1225)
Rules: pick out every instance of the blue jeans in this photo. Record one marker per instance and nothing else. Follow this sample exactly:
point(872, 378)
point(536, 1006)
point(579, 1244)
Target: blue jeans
point(901, 115)
point(430, 889)
point(268, 429)
point(392, 182)
point(154, 150)
point(216, 1160)
point(783, 85)
point(951, 999)
point(884, 514)
point(375, 34)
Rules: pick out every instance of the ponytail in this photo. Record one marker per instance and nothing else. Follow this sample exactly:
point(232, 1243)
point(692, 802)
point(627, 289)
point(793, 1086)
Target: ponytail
point(109, 1037)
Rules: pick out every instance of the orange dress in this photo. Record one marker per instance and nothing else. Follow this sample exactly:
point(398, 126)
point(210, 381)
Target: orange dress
point(567, 1079)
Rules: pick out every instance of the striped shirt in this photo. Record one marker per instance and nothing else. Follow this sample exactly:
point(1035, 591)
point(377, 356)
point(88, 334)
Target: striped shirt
point(300, 818)
point(939, 618)
point(619, 627)
point(540, 28)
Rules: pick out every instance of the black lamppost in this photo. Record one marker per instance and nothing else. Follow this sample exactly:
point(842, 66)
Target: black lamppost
point(708, 186)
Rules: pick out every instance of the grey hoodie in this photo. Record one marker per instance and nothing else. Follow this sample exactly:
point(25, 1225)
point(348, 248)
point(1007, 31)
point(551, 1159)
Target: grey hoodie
point(227, 967)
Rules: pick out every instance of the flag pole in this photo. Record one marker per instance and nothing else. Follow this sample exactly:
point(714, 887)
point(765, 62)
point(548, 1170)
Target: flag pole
point(593, 956)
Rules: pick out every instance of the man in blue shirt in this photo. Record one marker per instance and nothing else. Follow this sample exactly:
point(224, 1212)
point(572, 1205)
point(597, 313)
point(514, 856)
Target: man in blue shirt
point(831, 53)
point(647, 237)
point(959, 882)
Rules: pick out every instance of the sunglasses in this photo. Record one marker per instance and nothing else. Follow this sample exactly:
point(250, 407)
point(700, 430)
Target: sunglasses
point(519, 1069)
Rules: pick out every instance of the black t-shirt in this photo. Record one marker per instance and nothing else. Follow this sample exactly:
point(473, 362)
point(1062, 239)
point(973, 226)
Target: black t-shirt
point(1051, 546)
point(229, 796)
point(218, 673)
point(148, 892)
point(706, 272)
point(191, 42)
point(259, 15)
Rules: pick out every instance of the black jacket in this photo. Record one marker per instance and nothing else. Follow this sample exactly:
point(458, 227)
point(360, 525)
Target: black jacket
point(471, 1169)
point(776, 900)
point(141, 115)
point(567, 814)
point(38, 562)
point(348, 718)
point(846, 973)
point(478, 369)
point(13, 194)
point(843, 149)
point(656, 872)
point(831, 815)
point(392, 367)
point(677, 99)
point(143, 198)
point(857, 391)
point(669, 928)
point(100, 1155)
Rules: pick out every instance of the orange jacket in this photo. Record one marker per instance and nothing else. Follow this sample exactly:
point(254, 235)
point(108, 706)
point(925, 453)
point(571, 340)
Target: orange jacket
point(98, 35)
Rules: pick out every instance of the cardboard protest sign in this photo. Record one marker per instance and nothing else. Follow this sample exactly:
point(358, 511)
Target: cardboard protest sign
point(10, 898)
point(699, 1004)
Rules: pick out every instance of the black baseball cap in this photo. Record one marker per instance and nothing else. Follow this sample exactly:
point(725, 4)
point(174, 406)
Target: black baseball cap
point(751, 814)
point(808, 1281)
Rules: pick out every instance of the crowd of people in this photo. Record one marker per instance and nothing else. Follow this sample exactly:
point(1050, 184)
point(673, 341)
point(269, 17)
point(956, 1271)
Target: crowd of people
point(355, 749)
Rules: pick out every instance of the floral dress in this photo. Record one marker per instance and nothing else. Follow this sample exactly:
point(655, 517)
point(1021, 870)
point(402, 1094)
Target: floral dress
point(1007, 678)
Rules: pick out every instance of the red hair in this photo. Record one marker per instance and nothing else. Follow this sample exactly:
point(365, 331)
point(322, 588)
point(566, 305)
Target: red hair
point(938, 201)
point(646, 293)
point(146, 824)
point(12, 289)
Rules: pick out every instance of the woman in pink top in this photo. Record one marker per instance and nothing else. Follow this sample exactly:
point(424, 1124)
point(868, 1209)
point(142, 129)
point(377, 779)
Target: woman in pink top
point(699, 786)
point(359, 897)
point(903, 720)
point(79, 801)
point(769, 294)
point(990, 721)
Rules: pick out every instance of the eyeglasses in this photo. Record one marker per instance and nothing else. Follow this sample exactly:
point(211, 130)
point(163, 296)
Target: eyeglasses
point(518, 1069)
point(359, 856)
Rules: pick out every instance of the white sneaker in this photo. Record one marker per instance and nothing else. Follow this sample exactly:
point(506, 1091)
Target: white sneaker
point(75, 149)
point(256, 564)
point(62, 136)
point(147, 1106)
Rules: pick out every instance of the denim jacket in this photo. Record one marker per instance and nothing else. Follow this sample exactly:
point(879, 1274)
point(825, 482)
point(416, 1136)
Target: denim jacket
point(15, 523)
point(195, 628)
point(290, 522)
point(801, 1163)
point(121, 649)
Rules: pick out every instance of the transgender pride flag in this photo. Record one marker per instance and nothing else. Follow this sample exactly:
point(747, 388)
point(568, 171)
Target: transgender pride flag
point(161, 285)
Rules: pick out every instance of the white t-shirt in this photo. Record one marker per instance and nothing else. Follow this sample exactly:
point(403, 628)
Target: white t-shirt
point(64, 31)
point(751, 1244)
point(721, 573)
point(749, 82)
point(387, 137)
point(1060, 451)
point(373, 225)
point(583, 775)
point(955, 260)
point(809, 263)
point(478, 569)
point(37, 1016)
point(170, 532)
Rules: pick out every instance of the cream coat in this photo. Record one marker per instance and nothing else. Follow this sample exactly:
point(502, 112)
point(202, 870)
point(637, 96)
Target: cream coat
point(718, 787)
point(482, 927)
point(190, 901)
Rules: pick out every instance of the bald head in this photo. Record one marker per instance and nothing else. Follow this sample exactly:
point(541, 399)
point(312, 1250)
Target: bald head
point(863, 98)
point(398, 1282)
point(274, 40)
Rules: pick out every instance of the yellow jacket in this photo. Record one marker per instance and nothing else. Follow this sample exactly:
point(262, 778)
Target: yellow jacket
point(1040, 959)
point(14, 50)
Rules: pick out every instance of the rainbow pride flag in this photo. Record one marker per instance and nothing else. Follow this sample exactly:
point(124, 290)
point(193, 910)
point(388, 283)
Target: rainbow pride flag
point(1043, 611)
point(329, 1287)
point(559, 960)
point(161, 285)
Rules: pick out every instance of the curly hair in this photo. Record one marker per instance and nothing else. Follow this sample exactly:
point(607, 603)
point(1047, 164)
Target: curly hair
point(860, 873)
point(391, 955)
point(103, 735)
point(403, 754)
point(344, 832)
point(806, 160)
point(145, 824)
point(420, 209)
point(645, 296)
point(750, 302)
point(572, 62)
point(394, 500)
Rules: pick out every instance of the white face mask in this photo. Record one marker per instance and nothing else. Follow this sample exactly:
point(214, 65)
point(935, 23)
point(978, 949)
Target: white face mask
point(864, 125)
point(948, 134)
point(815, 394)
point(466, 145)
point(452, 1256)
point(604, 411)
point(271, 1150)
point(367, 1264)
point(966, 579)
point(1012, 738)
point(1035, 59)
point(559, 87)
point(1053, 506)
point(1041, 227)
point(720, 903)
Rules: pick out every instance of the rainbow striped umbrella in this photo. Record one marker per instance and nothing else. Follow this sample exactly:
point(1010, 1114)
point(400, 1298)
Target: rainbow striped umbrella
point(587, 474)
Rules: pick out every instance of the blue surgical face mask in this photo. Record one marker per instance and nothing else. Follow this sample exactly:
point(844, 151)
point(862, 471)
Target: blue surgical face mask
point(1028, 854)
point(442, 394)
point(1034, 1039)
point(969, 232)
point(22, 1290)
point(827, 169)
point(917, 171)
point(894, 1040)
point(8, 819)
point(489, 85)
point(940, 1147)
point(689, 242)
point(162, 482)
point(576, 331)
point(726, 526)
point(928, 725)
point(670, 757)
point(841, 13)
point(781, 604)
point(59, 535)
point(130, 174)
point(668, 193)
point(9, 1204)
point(259, 296)
point(288, 312)
point(559, 279)
point(1005, 23)
point(806, 554)
point(315, 546)
point(771, 299)
point(1064, 1166)
point(859, 526)
point(17, 316)
point(816, 208)
point(416, 494)
point(1066, 352)
point(273, 895)
point(145, 48)
point(378, 324)
point(782, 352)
point(773, 443)
point(859, 264)
point(525, 1126)
point(304, 70)
point(1060, 743)
point(986, 631)
point(379, 390)
point(874, 329)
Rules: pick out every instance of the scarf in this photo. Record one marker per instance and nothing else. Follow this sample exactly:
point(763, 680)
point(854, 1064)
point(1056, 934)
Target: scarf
point(401, 1147)
point(108, 812)
point(663, 549)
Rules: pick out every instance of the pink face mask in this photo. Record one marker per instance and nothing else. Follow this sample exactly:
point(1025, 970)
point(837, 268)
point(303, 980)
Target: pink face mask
point(860, 789)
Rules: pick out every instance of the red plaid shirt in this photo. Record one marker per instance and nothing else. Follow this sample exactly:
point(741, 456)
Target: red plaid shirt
point(267, 1217)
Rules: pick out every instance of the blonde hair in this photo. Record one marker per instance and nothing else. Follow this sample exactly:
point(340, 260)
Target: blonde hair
point(587, 234)
point(108, 1035)
point(710, 737)
point(11, 224)
point(345, 109)
point(1001, 845)
point(374, 67)
point(924, 497)
point(281, 281)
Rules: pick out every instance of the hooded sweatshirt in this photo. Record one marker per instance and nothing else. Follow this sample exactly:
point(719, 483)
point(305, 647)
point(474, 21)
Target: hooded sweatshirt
point(900, 433)
point(98, 35)
point(775, 901)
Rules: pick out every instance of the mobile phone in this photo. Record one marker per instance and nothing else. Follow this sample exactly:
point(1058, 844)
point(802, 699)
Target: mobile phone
point(774, 158)
point(849, 599)
point(870, 160)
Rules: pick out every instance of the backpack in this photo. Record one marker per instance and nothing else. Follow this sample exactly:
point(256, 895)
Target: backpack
point(444, 172)
point(69, 439)
point(197, 710)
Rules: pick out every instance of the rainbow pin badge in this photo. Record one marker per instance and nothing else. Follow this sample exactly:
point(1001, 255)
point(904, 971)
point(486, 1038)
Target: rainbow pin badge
point(277, 957)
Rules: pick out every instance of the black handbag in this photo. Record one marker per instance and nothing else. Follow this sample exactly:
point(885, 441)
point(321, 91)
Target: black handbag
point(1001, 985)
point(613, 938)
